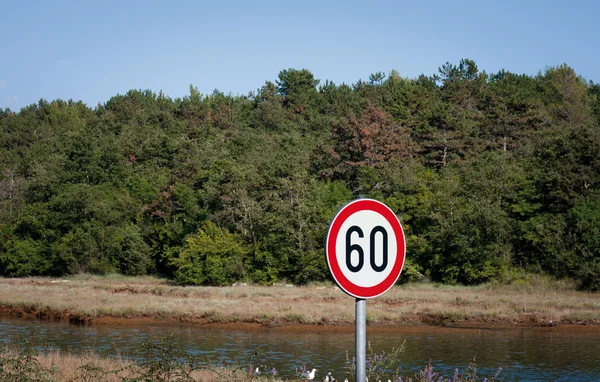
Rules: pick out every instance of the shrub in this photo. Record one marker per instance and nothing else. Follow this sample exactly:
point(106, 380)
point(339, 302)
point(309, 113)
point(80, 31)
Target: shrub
point(213, 256)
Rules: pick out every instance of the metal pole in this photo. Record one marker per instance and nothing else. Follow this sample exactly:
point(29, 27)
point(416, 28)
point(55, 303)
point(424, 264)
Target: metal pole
point(361, 339)
point(361, 336)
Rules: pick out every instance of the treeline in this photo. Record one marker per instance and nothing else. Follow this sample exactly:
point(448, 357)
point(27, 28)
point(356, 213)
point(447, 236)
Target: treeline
point(493, 176)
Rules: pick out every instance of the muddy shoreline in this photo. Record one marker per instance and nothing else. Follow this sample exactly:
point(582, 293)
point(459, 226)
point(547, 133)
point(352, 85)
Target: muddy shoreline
point(415, 321)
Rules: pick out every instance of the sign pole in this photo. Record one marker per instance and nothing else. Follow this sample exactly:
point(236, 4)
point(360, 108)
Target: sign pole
point(361, 339)
point(365, 251)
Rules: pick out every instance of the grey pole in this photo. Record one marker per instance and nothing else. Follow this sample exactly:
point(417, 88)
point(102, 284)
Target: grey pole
point(361, 339)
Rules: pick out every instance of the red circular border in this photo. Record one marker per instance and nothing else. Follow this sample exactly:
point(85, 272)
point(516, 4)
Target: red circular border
point(330, 252)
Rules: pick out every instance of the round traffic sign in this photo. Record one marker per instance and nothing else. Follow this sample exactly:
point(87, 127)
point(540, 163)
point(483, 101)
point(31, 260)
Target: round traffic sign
point(365, 248)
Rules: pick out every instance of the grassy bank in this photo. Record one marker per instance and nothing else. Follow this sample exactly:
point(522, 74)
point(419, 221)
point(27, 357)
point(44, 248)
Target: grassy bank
point(23, 363)
point(165, 360)
point(94, 299)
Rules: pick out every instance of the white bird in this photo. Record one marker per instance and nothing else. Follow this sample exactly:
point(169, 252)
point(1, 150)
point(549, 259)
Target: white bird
point(257, 372)
point(309, 376)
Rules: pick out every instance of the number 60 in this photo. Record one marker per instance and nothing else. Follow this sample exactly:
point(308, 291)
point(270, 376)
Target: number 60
point(361, 254)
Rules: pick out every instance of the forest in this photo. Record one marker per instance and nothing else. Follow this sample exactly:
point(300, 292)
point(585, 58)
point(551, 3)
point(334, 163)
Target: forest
point(494, 177)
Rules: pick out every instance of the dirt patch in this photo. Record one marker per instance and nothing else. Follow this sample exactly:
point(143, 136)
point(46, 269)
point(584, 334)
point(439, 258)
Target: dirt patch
point(43, 314)
point(132, 320)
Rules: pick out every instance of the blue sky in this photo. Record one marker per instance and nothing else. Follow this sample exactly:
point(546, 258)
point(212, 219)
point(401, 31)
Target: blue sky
point(91, 51)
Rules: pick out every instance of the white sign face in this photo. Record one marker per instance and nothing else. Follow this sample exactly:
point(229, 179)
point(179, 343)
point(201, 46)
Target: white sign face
point(365, 248)
point(372, 226)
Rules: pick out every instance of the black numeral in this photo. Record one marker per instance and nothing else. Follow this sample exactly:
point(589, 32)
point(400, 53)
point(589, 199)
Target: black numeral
point(354, 247)
point(359, 250)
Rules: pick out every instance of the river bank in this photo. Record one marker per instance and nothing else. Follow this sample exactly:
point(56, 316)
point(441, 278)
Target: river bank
point(21, 362)
point(96, 300)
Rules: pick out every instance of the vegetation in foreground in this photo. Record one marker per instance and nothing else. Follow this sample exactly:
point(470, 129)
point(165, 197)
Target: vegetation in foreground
point(93, 299)
point(491, 174)
point(165, 360)
point(158, 360)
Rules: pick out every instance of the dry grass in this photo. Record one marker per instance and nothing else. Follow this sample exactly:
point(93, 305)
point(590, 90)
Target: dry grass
point(90, 367)
point(93, 298)
point(70, 367)
point(60, 366)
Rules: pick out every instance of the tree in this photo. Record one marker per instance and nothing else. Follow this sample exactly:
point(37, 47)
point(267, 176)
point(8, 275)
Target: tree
point(459, 123)
point(368, 142)
point(566, 95)
point(299, 87)
point(11, 195)
point(25, 257)
point(513, 111)
point(585, 264)
point(488, 173)
point(268, 108)
point(213, 256)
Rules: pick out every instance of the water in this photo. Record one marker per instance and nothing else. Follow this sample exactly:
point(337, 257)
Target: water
point(530, 354)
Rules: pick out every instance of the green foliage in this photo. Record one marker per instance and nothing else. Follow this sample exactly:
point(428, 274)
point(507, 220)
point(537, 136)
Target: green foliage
point(24, 257)
point(470, 243)
point(127, 249)
point(490, 174)
point(586, 261)
point(213, 256)
point(299, 87)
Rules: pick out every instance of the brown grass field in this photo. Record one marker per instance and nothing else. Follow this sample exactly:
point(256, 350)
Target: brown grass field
point(60, 366)
point(105, 299)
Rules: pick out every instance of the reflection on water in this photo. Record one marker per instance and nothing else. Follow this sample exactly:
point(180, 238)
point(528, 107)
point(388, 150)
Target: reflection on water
point(524, 354)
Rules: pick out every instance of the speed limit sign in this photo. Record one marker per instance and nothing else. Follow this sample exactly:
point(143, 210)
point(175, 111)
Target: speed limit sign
point(365, 248)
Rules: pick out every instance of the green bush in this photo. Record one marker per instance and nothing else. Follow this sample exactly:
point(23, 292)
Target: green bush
point(213, 256)
point(25, 257)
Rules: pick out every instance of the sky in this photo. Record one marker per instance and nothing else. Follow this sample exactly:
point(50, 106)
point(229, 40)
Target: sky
point(92, 51)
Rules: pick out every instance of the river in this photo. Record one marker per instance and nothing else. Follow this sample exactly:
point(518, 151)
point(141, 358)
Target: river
point(526, 354)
